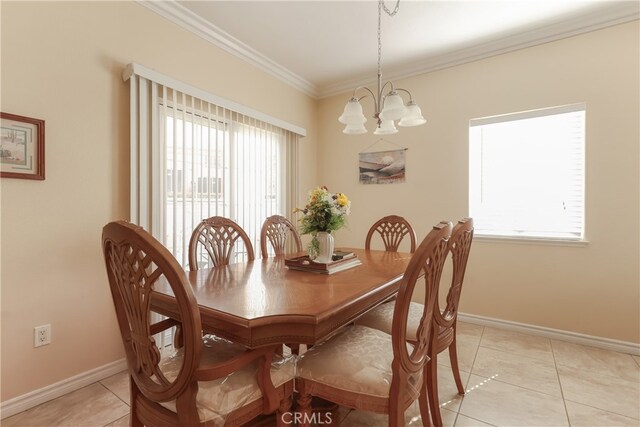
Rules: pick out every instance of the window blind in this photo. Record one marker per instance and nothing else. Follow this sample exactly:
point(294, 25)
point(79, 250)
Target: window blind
point(527, 173)
point(192, 159)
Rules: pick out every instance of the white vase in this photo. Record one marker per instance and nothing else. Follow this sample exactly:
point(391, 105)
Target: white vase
point(325, 247)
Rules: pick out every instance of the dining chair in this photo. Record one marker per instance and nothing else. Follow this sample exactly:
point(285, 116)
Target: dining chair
point(444, 322)
point(210, 382)
point(392, 229)
point(275, 231)
point(367, 369)
point(218, 237)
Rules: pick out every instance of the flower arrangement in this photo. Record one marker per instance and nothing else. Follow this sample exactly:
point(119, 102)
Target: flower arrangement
point(324, 212)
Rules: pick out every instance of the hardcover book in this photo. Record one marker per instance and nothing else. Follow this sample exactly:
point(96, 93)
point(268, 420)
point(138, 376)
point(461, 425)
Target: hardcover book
point(342, 261)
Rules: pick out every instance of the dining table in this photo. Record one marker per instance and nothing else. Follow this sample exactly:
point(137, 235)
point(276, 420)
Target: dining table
point(263, 302)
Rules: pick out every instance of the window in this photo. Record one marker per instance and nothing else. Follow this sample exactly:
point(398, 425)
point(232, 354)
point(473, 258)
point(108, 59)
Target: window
point(526, 174)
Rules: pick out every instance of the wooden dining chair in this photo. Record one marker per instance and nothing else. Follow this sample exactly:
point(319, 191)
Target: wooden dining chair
point(218, 237)
point(275, 231)
point(214, 382)
point(392, 229)
point(444, 321)
point(367, 369)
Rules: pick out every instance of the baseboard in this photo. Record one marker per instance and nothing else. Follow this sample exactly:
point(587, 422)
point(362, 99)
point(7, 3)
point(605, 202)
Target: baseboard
point(556, 334)
point(37, 397)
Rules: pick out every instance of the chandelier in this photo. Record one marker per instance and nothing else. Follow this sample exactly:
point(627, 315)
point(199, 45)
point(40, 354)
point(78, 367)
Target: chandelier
point(389, 107)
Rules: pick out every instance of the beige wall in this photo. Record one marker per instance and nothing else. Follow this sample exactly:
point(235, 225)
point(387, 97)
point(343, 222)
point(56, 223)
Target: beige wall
point(62, 62)
point(593, 290)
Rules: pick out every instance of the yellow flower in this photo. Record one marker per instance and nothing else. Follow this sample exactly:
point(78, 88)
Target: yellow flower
point(342, 199)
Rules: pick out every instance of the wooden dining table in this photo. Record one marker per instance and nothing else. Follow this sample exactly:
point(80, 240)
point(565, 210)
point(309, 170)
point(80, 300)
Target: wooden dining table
point(263, 302)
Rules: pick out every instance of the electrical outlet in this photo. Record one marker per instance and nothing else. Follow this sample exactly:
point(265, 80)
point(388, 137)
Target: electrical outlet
point(41, 335)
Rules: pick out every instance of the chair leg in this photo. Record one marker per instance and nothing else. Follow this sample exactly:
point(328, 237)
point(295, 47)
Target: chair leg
point(396, 416)
point(134, 421)
point(186, 406)
point(304, 404)
point(423, 400)
point(432, 390)
point(284, 417)
point(453, 357)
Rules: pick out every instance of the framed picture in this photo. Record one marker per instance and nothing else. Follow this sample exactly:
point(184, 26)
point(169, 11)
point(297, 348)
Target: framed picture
point(382, 167)
point(21, 147)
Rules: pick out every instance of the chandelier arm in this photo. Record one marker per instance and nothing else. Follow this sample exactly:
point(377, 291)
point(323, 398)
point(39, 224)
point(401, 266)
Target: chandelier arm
point(375, 99)
point(382, 96)
point(406, 91)
point(388, 82)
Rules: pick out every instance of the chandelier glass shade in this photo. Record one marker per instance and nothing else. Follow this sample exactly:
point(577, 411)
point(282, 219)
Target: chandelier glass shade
point(389, 106)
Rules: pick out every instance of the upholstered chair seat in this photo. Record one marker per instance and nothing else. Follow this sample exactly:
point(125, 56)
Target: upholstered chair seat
point(358, 360)
point(381, 318)
point(370, 370)
point(444, 321)
point(218, 398)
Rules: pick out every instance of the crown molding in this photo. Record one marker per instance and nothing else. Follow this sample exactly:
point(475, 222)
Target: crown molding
point(184, 18)
point(614, 15)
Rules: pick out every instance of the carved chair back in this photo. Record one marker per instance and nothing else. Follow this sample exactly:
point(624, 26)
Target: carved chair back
point(275, 231)
point(459, 247)
point(426, 264)
point(135, 261)
point(392, 230)
point(218, 236)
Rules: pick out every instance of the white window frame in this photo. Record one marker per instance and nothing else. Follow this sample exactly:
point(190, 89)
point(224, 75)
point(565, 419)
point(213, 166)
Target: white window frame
point(475, 177)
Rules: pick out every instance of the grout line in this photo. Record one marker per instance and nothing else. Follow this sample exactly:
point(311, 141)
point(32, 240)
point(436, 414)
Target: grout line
point(119, 398)
point(564, 402)
point(469, 377)
point(476, 419)
point(539, 359)
point(603, 410)
point(341, 423)
point(604, 373)
point(518, 386)
point(518, 354)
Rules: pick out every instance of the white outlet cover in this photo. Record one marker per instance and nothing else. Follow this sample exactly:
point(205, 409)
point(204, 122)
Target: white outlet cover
point(41, 335)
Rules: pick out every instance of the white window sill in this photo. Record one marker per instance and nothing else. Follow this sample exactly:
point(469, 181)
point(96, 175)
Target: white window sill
point(530, 240)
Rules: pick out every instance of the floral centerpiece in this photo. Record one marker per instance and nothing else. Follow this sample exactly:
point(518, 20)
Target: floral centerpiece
point(325, 212)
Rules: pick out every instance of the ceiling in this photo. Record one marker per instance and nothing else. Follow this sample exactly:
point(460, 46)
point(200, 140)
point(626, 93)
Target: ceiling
point(327, 47)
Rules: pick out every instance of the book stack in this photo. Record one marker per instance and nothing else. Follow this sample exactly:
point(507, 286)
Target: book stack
point(341, 261)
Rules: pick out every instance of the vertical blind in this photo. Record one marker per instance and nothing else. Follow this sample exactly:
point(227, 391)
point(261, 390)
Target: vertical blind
point(527, 173)
point(192, 159)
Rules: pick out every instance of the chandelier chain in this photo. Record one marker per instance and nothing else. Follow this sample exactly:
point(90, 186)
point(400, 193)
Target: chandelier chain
point(382, 6)
point(395, 9)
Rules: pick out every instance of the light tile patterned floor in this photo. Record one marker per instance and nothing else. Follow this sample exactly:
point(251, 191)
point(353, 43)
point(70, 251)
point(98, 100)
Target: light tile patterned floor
point(512, 379)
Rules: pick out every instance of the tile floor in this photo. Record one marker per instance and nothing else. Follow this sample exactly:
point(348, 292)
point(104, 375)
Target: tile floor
point(512, 379)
